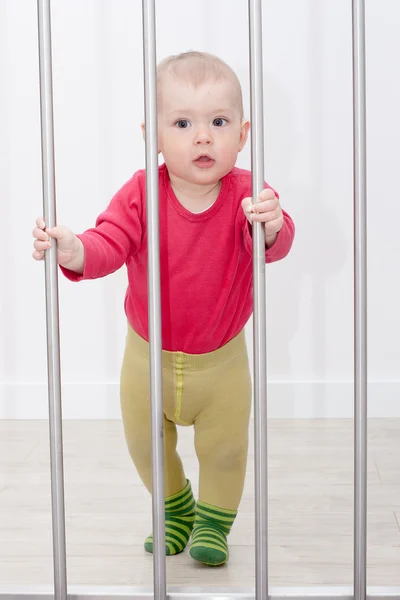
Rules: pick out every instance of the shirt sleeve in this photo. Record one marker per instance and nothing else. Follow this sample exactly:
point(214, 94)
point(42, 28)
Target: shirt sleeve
point(116, 236)
point(283, 242)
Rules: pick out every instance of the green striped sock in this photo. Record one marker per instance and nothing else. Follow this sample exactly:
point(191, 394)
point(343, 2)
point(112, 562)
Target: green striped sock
point(179, 518)
point(211, 527)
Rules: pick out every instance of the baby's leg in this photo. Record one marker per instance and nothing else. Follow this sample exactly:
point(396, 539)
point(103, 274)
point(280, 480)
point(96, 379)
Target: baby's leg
point(135, 406)
point(221, 441)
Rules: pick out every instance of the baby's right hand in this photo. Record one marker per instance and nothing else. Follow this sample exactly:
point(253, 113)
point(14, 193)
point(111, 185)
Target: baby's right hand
point(70, 252)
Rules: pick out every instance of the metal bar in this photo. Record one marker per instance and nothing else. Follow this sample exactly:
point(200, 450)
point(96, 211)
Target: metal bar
point(52, 305)
point(259, 293)
point(360, 303)
point(198, 593)
point(154, 290)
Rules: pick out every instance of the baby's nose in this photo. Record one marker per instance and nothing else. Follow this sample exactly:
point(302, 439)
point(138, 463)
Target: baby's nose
point(203, 136)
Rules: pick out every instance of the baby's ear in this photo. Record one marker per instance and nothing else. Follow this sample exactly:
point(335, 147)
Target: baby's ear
point(244, 132)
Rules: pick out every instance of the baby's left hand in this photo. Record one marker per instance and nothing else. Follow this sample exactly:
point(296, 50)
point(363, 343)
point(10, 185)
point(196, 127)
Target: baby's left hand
point(267, 210)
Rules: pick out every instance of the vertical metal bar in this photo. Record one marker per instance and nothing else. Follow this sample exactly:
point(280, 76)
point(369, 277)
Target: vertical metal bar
point(360, 303)
point(259, 283)
point(154, 287)
point(52, 306)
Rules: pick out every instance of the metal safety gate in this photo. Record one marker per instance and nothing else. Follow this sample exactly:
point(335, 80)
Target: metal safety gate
point(159, 591)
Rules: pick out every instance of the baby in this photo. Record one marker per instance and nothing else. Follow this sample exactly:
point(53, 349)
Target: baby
point(206, 217)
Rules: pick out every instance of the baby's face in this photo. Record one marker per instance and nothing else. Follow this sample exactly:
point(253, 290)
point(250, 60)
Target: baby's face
point(200, 129)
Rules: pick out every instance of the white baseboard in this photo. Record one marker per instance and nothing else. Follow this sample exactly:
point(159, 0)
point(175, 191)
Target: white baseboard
point(296, 399)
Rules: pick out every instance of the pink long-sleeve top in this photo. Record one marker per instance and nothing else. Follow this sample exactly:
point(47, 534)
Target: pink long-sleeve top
point(205, 260)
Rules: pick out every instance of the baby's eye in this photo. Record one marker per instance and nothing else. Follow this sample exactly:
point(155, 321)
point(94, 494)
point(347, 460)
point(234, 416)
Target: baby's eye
point(182, 124)
point(219, 122)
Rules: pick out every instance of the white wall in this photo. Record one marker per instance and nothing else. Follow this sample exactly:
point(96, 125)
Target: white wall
point(98, 109)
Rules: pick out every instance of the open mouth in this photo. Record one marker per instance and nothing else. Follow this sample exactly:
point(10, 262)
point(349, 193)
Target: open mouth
point(204, 161)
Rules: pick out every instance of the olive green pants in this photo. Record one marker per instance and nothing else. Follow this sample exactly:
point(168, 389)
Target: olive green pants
point(210, 391)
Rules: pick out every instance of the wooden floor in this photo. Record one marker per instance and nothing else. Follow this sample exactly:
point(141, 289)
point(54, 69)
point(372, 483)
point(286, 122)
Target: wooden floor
point(108, 510)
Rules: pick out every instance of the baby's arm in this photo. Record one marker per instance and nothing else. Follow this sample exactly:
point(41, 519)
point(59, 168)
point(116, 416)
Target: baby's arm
point(102, 249)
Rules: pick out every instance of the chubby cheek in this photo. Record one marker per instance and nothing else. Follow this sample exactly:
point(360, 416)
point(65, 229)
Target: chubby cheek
point(169, 145)
point(173, 155)
point(229, 144)
point(229, 152)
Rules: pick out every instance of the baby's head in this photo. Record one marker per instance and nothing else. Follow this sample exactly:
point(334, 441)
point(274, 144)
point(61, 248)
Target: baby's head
point(196, 69)
point(200, 117)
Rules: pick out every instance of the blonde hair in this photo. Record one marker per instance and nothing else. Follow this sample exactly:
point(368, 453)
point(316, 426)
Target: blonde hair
point(197, 68)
